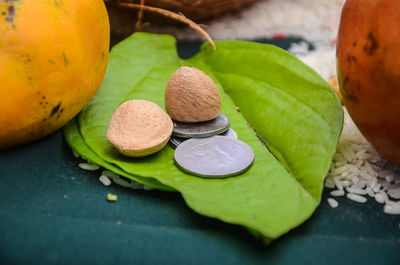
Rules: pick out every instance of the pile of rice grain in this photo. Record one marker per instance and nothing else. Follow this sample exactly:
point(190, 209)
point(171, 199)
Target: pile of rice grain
point(359, 172)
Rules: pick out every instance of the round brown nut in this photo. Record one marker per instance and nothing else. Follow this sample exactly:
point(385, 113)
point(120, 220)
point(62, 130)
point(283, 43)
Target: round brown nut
point(192, 96)
point(139, 128)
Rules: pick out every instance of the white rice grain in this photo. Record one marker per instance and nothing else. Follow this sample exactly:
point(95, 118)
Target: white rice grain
point(338, 184)
point(337, 193)
point(370, 192)
point(369, 169)
point(372, 182)
point(105, 180)
point(127, 183)
point(356, 198)
point(340, 170)
point(356, 191)
point(329, 183)
point(355, 180)
point(394, 193)
point(87, 166)
point(379, 198)
point(333, 203)
point(393, 203)
point(384, 195)
point(365, 174)
point(361, 184)
point(359, 149)
point(391, 209)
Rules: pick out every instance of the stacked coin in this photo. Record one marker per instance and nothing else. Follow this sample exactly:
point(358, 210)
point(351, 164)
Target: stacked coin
point(210, 149)
point(175, 140)
point(183, 131)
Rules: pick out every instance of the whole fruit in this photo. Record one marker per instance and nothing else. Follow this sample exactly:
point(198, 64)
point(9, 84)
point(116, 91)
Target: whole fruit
point(192, 96)
point(368, 60)
point(53, 56)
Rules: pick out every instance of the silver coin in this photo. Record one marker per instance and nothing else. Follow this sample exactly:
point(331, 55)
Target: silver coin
point(201, 129)
point(175, 140)
point(230, 133)
point(214, 157)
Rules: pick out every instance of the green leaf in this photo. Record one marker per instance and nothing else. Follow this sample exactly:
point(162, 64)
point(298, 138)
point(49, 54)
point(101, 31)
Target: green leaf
point(289, 106)
point(74, 139)
point(296, 113)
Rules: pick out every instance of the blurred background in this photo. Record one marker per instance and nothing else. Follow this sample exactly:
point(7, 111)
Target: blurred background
point(312, 23)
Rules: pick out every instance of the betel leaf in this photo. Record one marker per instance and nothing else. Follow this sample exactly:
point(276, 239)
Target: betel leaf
point(293, 110)
point(290, 107)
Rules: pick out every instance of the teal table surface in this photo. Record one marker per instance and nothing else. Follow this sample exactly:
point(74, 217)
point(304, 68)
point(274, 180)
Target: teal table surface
point(53, 212)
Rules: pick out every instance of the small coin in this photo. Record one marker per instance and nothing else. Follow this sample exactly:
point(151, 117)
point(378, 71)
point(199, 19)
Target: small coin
point(214, 157)
point(201, 129)
point(175, 141)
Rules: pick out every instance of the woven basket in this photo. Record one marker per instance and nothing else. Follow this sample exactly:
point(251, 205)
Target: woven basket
point(123, 19)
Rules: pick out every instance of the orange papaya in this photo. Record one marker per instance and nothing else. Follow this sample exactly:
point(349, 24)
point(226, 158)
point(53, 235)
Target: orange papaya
point(53, 57)
point(368, 65)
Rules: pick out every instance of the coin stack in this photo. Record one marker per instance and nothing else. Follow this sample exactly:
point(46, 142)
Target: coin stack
point(183, 131)
point(210, 149)
point(205, 144)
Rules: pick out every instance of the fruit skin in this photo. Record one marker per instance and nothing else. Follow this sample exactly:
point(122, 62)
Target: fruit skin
point(192, 96)
point(53, 56)
point(368, 61)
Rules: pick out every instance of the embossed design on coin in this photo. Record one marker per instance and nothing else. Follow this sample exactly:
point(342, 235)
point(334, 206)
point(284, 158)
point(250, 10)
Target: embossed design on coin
point(175, 140)
point(214, 157)
point(201, 129)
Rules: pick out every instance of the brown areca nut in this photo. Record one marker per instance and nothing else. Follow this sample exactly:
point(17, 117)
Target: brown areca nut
point(192, 96)
point(139, 128)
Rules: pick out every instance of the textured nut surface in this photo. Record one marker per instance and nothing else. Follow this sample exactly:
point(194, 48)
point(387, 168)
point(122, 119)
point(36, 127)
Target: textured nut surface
point(192, 96)
point(139, 128)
